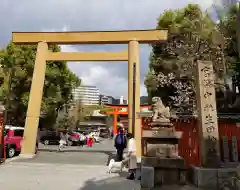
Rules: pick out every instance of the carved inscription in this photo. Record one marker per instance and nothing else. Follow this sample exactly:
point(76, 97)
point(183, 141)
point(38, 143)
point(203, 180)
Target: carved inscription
point(208, 107)
point(234, 149)
point(207, 113)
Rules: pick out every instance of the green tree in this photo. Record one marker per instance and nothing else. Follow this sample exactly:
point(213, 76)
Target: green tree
point(228, 25)
point(83, 112)
point(59, 82)
point(65, 122)
point(192, 36)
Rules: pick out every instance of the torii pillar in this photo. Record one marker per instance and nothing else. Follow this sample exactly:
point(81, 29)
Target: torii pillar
point(133, 53)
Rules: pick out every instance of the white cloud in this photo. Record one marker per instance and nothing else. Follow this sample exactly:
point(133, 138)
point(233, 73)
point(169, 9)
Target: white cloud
point(95, 15)
point(103, 75)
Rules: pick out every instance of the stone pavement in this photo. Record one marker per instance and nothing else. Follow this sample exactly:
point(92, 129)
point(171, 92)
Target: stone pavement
point(78, 168)
point(42, 176)
point(96, 155)
point(39, 176)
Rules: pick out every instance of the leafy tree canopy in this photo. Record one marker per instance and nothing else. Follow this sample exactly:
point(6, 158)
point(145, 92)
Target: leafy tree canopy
point(59, 82)
point(192, 36)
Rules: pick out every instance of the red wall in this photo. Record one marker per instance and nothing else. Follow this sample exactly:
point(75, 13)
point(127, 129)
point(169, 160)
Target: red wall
point(188, 144)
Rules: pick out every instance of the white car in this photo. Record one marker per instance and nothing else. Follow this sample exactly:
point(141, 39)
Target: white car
point(82, 137)
point(96, 137)
point(77, 138)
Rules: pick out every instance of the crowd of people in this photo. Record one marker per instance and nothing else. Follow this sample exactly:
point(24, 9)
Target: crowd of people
point(64, 140)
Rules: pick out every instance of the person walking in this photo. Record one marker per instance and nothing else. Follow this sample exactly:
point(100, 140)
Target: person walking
point(131, 158)
point(62, 142)
point(120, 144)
point(90, 140)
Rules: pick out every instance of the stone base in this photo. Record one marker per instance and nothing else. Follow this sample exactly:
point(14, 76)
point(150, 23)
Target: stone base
point(214, 178)
point(164, 162)
point(164, 171)
point(162, 150)
point(161, 133)
point(161, 124)
point(27, 156)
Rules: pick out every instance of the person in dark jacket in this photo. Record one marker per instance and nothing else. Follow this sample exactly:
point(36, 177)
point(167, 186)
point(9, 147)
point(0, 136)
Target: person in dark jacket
point(120, 144)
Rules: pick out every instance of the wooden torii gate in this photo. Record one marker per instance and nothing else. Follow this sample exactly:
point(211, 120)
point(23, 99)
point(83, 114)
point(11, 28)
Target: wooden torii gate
point(132, 38)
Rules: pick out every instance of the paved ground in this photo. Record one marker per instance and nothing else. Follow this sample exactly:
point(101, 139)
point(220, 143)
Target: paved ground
point(42, 176)
point(97, 155)
point(78, 168)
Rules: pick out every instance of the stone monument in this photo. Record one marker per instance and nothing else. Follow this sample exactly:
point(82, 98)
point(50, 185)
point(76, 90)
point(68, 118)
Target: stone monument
point(212, 173)
point(161, 164)
point(161, 114)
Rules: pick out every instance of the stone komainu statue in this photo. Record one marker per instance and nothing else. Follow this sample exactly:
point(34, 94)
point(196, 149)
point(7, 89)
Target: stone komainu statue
point(160, 112)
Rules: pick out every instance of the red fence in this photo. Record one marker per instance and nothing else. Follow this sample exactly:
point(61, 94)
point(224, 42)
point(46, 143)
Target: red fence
point(189, 143)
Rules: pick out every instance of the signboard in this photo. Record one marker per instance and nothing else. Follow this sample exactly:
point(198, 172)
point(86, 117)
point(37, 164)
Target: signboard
point(208, 125)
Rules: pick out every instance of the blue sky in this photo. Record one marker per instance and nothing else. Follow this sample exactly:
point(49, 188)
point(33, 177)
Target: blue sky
point(90, 15)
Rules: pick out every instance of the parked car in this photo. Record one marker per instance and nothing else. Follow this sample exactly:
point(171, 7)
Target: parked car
point(13, 140)
point(104, 132)
point(13, 137)
point(50, 137)
point(77, 138)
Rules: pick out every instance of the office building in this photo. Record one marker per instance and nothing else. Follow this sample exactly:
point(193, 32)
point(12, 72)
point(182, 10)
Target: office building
point(143, 100)
point(88, 95)
point(120, 101)
point(105, 99)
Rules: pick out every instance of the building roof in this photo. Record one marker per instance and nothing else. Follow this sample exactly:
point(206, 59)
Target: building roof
point(90, 123)
point(88, 86)
point(97, 113)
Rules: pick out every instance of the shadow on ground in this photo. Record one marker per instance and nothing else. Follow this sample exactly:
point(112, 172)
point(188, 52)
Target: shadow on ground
point(115, 183)
point(119, 183)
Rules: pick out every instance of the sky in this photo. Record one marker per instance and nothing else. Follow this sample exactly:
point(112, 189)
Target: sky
point(90, 15)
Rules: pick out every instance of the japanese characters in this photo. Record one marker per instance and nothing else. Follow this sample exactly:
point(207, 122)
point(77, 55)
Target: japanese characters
point(207, 113)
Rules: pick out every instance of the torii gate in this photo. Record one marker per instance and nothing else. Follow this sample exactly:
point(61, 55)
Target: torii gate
point(132, 38)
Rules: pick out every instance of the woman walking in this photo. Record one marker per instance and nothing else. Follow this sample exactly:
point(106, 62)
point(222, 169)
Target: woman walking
point(90, 141)
point(62, 142)
point(131, 158)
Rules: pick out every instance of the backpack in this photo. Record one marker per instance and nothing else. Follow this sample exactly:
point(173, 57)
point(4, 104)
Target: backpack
point(120, 140)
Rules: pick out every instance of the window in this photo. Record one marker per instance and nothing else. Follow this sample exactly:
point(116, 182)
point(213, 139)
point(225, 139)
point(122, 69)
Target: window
point(6, 132)
point(18, 133)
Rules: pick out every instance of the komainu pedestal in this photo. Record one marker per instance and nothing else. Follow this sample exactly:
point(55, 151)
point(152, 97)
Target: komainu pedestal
point(161, 164)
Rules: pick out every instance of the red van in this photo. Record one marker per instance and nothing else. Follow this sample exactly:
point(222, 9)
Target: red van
point(13, 137)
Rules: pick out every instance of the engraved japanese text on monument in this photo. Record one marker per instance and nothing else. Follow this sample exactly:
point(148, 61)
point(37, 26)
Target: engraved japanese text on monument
point(207, 113)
